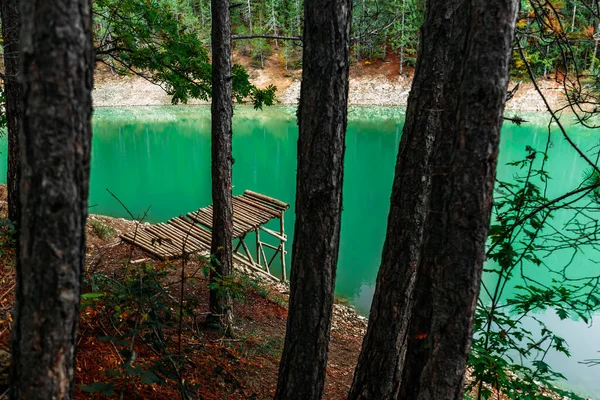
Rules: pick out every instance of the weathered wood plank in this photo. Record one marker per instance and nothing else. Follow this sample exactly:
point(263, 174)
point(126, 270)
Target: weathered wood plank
point(185, 225)
point(240, 206)
point(255, 204)
point(268, 200)
point(192, 232)
point(255, 218)
point(178, 238)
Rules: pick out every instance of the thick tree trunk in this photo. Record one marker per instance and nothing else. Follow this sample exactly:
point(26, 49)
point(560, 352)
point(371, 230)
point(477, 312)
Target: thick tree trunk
point(321, 144)
point(464, 168)
point(455, 110)
point(378, 371)
point(55, 139)
point(222, 113)
point(11, 27)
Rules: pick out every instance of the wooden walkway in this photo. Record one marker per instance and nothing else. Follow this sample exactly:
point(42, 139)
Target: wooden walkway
point(191, 233)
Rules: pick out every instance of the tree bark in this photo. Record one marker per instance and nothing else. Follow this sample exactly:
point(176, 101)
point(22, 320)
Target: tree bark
point(55, 139)
point(464, 168)
point(222, 113)
point(378, 371)
point(322, 130)
point(440, 208)
point(11, 26)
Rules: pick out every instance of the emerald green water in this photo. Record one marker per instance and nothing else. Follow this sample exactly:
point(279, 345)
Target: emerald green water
point(159, 157)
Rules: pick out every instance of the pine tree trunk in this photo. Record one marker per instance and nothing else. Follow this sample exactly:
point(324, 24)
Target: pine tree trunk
point(464, 168)
point(11, 26)
point(378, 371)
point(402, 37)
point(222, 113)
point(593, 60)
point(321, 143)
point(249, 14)
point(298, 24)
point(440, 206)
point(55, 139)
point(274, 23)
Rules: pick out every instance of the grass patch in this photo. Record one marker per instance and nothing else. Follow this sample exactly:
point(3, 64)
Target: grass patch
point(103, 230)
point(263, 291)
point(272, 347)
point(344, 301)
point(255, 344)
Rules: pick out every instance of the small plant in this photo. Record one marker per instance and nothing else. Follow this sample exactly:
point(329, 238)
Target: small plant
point(8, 225)
point(138, 308)
point(7, 234)
point(507, 356)
point(344, 301)
point(223, 285)
point(103, 230)
point(263, 291)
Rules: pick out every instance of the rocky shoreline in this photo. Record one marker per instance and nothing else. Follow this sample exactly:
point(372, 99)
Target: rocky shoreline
point(365, 90)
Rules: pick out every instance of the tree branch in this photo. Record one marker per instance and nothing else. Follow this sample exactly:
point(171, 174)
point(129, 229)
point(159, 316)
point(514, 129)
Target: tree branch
point(112, 50)
point(374, 31)
point(238, 37)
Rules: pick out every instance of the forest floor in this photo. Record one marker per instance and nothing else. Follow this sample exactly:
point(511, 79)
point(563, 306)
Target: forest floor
point(133, 344)
point(209, 365)
point(372, 83)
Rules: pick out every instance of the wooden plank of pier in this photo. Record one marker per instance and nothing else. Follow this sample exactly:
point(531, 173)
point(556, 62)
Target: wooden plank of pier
point(193, 232)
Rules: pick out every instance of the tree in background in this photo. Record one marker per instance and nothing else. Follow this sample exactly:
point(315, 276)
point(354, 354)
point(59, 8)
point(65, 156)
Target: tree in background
point(403, 37)
point(322, 119)
point(421, 320)
point(222, 160)
point(378, 28)
point(11, 28)
point(55, 138)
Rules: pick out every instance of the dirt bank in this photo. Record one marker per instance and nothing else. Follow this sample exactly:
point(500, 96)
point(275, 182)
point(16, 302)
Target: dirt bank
point(371, 84)
point(214, 367)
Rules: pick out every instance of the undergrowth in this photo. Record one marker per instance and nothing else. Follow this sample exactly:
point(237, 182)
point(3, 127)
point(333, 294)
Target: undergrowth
point(511, 343)
point(154, 333)
point(103, 230)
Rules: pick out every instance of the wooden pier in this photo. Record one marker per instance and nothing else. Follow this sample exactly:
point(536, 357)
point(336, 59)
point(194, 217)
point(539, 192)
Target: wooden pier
point(191, 233)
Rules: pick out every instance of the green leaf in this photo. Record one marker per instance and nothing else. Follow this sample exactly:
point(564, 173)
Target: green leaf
point(149, 378)
point(562, 314)
point(88, 296)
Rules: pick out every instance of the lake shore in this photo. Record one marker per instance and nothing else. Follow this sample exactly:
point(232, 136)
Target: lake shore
point(371, 84)
point(347, 327)
point(260, 323)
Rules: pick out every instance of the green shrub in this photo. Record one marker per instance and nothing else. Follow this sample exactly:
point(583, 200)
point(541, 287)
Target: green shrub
point(103, 230)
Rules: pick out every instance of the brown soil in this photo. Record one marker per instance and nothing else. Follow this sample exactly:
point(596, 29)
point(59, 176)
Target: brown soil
point(215, 367)
point(375, 82)
point(211, 365)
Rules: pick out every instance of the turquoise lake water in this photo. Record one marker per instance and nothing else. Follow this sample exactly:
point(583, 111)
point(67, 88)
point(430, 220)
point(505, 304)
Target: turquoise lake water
point(159, 157)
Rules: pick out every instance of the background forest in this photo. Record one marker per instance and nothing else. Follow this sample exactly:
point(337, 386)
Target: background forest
point(378, 29)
